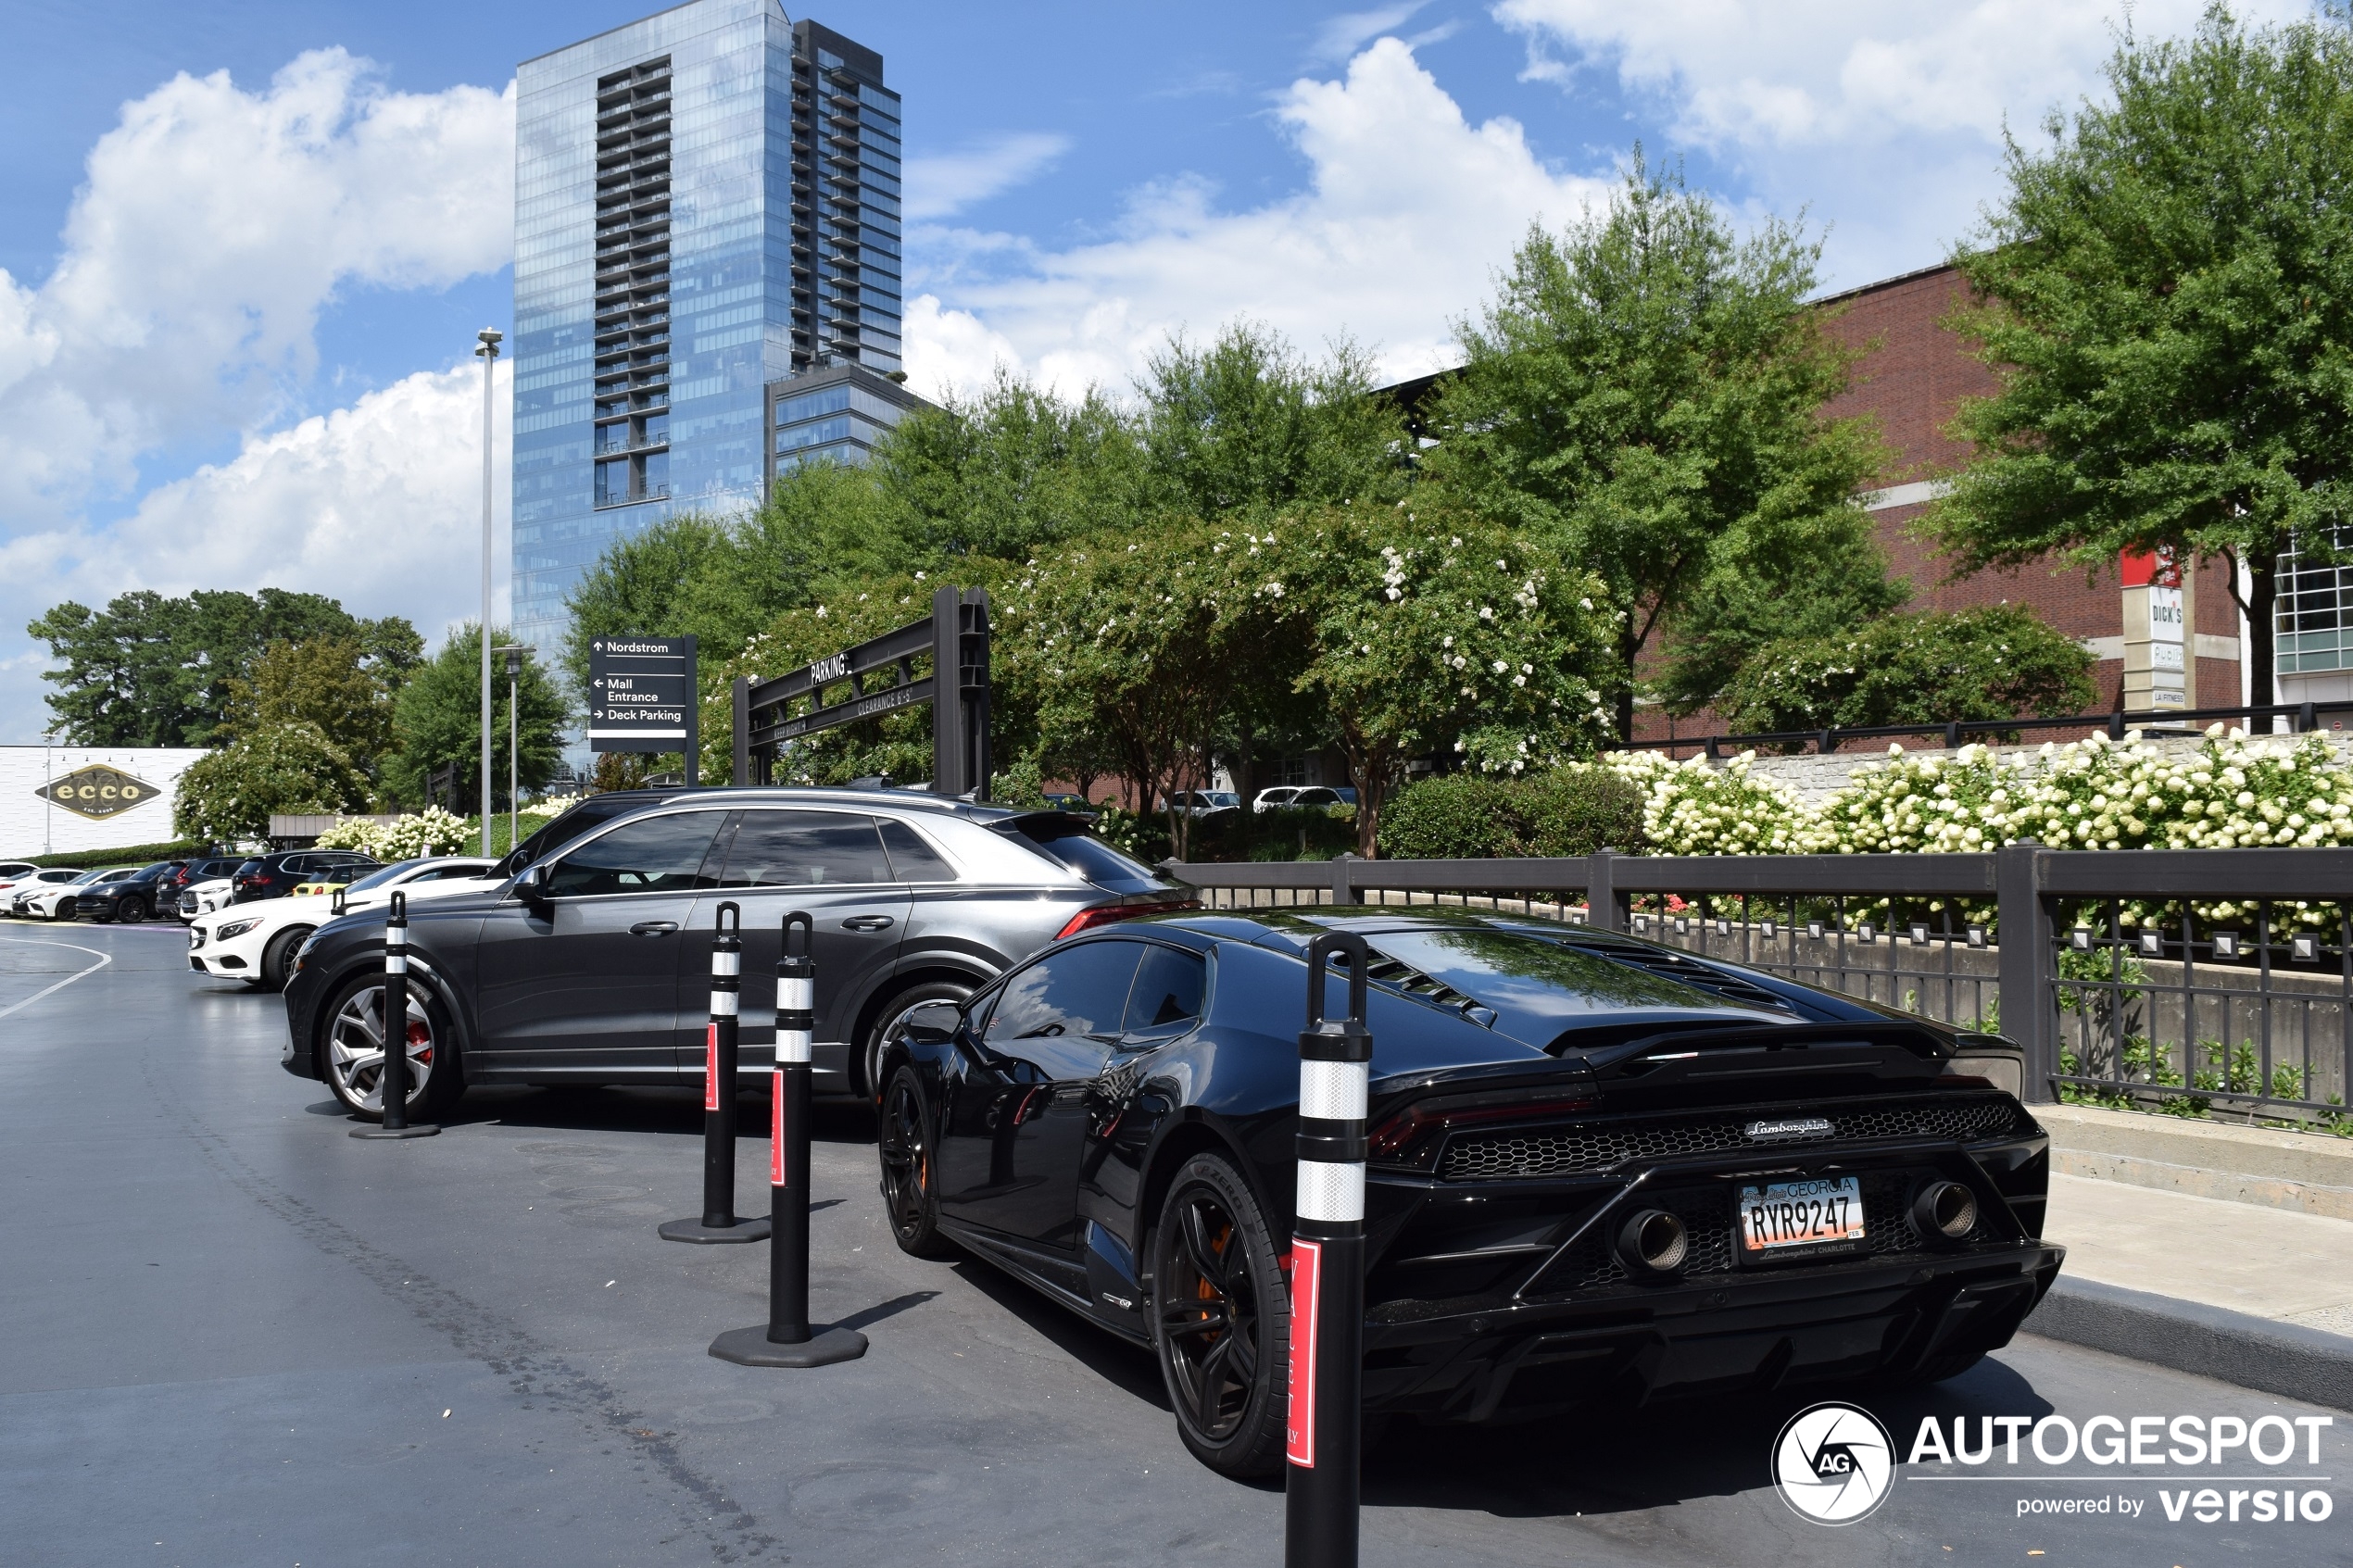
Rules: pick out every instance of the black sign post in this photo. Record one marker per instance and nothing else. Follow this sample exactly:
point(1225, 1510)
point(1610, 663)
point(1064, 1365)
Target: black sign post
point(881, 676)
point(641, 697)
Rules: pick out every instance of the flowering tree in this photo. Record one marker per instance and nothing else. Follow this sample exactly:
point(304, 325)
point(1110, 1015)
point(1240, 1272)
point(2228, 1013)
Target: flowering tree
point(1417, 632)
point(1129, 648)
point(230, 795)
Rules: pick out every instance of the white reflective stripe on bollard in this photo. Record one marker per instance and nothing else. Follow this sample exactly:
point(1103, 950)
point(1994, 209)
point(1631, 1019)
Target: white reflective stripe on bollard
point(1332, 1192)
point(724, 1004)
point(793, 1046)
point(1333, 1091)
point(396, 962)
point(724, 962)
point(796, 996)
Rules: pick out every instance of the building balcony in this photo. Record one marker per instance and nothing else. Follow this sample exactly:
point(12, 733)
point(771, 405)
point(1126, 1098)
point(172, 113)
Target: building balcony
point(622, 448)
point(653, 493)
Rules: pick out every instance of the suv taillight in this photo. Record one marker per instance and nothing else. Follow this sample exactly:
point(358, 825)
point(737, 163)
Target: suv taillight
point(1105, 914)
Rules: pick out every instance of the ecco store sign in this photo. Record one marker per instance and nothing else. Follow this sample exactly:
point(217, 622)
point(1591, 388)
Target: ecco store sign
point(98, 792)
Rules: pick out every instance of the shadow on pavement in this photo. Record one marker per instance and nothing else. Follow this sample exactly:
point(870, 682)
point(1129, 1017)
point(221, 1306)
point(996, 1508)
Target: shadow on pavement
point(1127, 1367)
point(1617, 1461)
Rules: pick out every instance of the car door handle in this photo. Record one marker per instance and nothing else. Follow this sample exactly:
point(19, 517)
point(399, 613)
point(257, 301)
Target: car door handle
point(867, 923)
point(653, 928)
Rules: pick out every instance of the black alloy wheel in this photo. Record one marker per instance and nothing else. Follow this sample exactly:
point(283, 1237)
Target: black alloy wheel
point(132, 911)
point(908, 1175)
point(1222, 1318)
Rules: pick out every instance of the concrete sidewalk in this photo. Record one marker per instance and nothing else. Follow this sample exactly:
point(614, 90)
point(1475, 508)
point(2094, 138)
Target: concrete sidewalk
point(2208, 1247)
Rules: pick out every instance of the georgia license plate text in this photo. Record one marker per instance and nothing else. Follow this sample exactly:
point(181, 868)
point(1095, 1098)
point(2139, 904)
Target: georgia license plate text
point(1823, 1215)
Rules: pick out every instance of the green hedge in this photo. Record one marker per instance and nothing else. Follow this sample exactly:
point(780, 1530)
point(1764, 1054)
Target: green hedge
point(1476, 816)
point(139, 854)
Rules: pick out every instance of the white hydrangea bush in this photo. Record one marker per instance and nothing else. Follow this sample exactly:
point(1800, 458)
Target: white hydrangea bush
point(430, 831)
point(1690, 807)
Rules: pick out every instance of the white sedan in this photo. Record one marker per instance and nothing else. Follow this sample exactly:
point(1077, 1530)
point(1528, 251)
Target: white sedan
point(255, 943)
point(54, 900)
point(206, 897)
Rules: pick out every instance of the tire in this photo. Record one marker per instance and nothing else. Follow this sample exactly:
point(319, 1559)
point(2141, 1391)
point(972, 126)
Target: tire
point(886, 1021)
point(911, 1198)
point(277, 960)
point(132, 911)
point(1221, 1319)
point(63, 912)
point(353, 1027)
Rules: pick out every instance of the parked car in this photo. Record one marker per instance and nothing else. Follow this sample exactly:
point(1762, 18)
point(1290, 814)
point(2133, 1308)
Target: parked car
point(57, 900)
point(591, 966)
point(11, 870)
point(205, 885)
point(1301, 794)
point(1601, 1170)
point(256, 944)
point(128, 900)
point(282, 871)
point(1198, 802)
point(35, 880)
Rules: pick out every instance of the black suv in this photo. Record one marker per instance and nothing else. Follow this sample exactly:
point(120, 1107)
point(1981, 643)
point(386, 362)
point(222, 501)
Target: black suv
point(592, 965)
point(280, 872)
point(134, 897)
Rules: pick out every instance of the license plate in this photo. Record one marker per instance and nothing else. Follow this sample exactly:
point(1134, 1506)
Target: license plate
point(1800, 1218)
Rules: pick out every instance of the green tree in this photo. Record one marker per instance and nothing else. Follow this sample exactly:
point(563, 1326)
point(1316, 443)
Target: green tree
point(230, 796)
point(2167, 294)
point(325, 683)
point(1828, 580)
point(1246, 426)
point(2000, 661)
point(1127, 646)
point(438, 720)
point(1643, 396)
point(1417, 632)
point(154, 670)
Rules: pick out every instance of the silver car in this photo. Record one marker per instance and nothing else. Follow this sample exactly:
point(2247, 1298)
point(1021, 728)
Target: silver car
point(591, 964)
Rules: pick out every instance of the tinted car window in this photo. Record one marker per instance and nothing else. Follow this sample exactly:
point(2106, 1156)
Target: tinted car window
point(1080, 990)
point(805, 849)
point(912, 860)
point(1066, 840)
point(1167, 992)
point(657, 855)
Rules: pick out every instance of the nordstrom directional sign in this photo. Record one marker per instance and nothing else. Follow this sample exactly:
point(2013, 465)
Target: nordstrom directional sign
point(641, 693)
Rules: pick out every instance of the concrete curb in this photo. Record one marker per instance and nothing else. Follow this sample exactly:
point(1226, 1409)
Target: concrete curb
point(2278, 1358)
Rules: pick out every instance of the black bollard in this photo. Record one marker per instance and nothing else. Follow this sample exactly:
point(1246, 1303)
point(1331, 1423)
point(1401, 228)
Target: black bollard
point(1324, 1438)
point(787, 1339)
point(719, 1223)
point(392, 1076)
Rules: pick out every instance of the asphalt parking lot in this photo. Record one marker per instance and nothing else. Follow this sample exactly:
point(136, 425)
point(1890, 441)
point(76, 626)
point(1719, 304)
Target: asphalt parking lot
point(234, 1335)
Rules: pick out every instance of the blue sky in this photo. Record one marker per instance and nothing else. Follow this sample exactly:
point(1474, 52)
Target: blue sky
point(235, 311)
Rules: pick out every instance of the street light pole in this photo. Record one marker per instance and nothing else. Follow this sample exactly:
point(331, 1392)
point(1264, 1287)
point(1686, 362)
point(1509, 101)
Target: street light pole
point(488, 355)
point(514, 652)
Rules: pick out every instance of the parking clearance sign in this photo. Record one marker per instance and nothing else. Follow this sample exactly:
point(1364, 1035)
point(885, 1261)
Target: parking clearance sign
point(641, 693)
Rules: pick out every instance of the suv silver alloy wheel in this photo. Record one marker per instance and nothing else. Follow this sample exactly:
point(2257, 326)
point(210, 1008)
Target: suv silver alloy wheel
point(355, 1050)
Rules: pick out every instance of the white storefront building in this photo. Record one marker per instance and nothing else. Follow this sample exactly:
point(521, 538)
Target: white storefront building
point(61, 800)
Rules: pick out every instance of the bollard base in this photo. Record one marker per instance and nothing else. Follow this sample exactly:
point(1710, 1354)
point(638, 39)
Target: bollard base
point(416, 1130)
point(751, 1346)
point(694, 1231)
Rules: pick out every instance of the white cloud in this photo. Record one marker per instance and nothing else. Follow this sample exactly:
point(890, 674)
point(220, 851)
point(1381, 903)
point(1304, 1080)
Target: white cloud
point(378, 505)
point(1342, 35)
point(214, 225)
point(1885, 117)
point(1817, 70)
point(946, 183)
point(1408, 210)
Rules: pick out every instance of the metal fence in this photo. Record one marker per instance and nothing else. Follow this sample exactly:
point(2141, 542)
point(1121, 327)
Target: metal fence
point(2201, 982)
point(2303, 717)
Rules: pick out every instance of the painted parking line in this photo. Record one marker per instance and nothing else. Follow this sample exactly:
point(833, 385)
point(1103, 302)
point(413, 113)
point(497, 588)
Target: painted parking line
point(104, 959)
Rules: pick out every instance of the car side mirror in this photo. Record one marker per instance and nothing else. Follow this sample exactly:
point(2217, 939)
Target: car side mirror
point(934, 1023)
point(531, 887)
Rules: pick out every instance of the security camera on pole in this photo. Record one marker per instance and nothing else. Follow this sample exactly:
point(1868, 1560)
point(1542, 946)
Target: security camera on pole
point(787, 1339)
point(719, 1222)
point(392, 1074)
point(1324, 1438)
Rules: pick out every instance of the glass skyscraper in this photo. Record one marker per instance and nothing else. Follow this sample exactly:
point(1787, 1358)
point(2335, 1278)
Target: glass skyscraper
point(706, 203)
